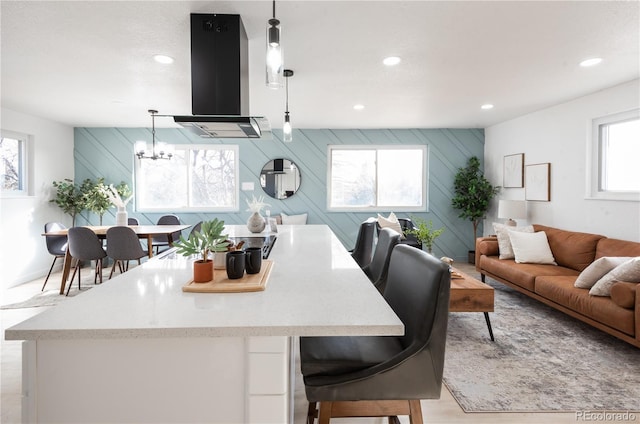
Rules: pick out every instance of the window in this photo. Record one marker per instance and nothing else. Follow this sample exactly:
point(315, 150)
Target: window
point(377, 178)
point(615, 148)
point(196, 178)
point(13, 150)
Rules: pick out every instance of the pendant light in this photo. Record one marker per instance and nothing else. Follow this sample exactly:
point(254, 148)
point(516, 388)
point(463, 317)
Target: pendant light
point(164, 151)
point(274, 60)
point(287, 132)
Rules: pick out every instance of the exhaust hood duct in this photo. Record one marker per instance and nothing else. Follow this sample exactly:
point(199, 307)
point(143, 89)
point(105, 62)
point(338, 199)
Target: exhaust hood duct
point(220, 80)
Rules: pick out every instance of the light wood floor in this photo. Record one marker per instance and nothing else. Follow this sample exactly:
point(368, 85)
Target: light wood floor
point(444, 410)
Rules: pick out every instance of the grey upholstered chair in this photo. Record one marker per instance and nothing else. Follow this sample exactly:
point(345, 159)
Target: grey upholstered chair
point(84, 245)
point(364, 242)
point(195, 228)
point(56, 245)
point(123, 246)
point(351, 376)
point(133, 221)
point(162, 240)
point(377, 269)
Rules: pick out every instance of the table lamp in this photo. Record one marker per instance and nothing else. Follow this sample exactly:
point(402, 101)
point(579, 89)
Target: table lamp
point(511, 209)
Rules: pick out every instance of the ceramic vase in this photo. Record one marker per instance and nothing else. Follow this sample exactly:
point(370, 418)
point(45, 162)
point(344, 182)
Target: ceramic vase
point(256, 224)
point(202, 271)
point(219, 260)
point(121, 217)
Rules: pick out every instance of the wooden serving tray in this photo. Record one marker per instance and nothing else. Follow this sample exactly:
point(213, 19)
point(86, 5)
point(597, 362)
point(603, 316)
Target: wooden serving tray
point(221, 284)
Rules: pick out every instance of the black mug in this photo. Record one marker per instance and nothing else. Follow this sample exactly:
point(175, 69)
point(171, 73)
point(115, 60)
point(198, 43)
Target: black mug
point(235, 264)
point(253, 260)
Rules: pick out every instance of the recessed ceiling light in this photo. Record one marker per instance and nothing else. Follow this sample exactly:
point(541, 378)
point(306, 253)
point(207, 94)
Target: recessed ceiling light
point(590, 62)
point(160, 58)
point(358, 106)
point(486, 106)
point(391, 60)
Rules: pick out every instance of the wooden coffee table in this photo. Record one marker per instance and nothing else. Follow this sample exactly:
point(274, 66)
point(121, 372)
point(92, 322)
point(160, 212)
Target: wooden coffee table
point(471, 295)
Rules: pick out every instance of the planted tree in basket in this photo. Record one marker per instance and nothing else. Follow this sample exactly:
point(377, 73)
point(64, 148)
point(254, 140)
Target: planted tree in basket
point(69, 198)
point(473, 192)
point(208, 239)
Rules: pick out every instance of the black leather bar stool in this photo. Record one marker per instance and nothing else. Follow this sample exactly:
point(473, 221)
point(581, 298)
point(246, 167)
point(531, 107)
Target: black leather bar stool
point(378, 268)
point(385, 376)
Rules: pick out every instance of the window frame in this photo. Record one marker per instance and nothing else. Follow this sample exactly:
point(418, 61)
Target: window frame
point(595, 154)
point(26, 168)
point(188, 147)
point(424, 207)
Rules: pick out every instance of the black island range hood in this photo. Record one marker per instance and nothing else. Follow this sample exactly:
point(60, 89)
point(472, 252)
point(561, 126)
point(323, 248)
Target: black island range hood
point(220, 80)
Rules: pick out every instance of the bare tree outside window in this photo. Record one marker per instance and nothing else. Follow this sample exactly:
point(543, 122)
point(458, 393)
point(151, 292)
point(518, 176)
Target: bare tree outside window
point(12, 171)
point(195, 178)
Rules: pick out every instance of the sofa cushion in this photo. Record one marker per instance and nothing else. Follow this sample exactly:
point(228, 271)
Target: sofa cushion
point(523, 275)
point(391, 222)
point(572, 249)
point(598, 269)
point(615, 247)
point(623, 294)
point(504, 242)
point(531, 248)
point(560, 289)
point(340, 355)
point(300, 219)
point(628, 271)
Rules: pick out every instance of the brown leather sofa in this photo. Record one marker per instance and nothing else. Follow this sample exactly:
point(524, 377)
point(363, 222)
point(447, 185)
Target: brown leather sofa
point(554, 285)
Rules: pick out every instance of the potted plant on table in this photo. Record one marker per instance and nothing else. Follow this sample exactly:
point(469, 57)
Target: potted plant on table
point(425, 233)
point(473, 192)
point(201, 243)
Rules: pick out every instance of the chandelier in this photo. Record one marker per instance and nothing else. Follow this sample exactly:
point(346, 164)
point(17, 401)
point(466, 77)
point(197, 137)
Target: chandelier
point(162, 151)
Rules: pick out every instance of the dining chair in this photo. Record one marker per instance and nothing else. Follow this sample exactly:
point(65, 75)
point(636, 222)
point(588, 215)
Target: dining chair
point(377, 269)
point(364, 242)
point(123, 246)
point(382, 376)
point(133, 221)
point(162, 240)
point(195, 228)
point(406, 224)
point(56, 245)
point(84, 245)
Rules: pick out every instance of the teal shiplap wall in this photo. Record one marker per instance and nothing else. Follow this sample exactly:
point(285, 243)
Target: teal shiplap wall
point(108, 153)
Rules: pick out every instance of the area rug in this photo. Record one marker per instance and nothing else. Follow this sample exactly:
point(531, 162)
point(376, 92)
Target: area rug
point(48, 298)
point(541, 361)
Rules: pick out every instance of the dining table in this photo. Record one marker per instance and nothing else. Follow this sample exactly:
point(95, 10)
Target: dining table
point(142, 231)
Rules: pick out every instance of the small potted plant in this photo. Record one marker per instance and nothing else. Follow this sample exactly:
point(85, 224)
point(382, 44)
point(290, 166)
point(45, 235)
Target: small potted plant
point(425, 233)
point(201, 243)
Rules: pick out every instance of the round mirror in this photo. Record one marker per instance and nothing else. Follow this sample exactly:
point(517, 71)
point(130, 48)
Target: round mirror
point(280, 178)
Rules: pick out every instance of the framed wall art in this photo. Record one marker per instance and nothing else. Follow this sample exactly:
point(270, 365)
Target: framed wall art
point(538, 182)
point(513, 171)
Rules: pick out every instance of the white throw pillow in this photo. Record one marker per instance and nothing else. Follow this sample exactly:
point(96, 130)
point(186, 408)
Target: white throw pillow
point(504, 242)
point(598, 269)
point(390, 222)
point(628, 271)
point(300, 219)
point(531, 248)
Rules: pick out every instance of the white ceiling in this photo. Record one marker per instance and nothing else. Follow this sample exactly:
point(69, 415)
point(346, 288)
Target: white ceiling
point(89, 63)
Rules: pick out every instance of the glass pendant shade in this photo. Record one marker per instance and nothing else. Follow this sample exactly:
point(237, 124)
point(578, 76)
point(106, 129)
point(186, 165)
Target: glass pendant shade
point(274, 54)
point(287, 131)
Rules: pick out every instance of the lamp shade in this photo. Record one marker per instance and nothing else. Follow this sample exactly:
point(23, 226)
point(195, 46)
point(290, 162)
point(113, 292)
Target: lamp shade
point(512, 209)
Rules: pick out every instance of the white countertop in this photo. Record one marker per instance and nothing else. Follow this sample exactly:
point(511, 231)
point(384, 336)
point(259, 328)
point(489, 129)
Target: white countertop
point(315, 289)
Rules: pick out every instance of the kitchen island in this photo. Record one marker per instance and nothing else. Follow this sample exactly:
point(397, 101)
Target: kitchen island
point(139, 349)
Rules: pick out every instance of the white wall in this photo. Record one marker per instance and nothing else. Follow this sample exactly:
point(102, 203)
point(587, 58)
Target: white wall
point(559, 135)
point(23, 254)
